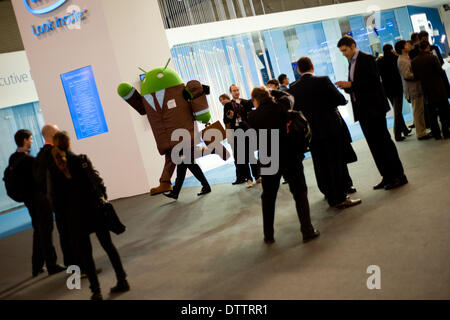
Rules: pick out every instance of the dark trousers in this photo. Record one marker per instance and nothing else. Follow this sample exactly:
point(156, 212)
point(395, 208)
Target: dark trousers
point(42, 222)
point(297, 185)
point(63, 227)
point(331, 170)
point(440, 109)
point(250, 167)
point(181, 174)
point(84, 246)
point(381, 146)
point(399, 121)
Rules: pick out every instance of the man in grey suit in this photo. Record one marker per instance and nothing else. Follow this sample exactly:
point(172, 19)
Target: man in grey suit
point(412, 88)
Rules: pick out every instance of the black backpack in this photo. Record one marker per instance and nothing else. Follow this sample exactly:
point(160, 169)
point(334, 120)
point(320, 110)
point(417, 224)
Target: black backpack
point(298, 130)
point(15, 183)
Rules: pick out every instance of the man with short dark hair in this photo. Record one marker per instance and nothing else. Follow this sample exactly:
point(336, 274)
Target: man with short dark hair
point(392, 84)
point(370, 106)
point(427, 69)
point(414, 52)
point(331, 148)
point(424, 36)
point(284, 82)
point(43, 249)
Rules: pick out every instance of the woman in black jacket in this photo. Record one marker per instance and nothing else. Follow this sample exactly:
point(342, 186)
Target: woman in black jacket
point(78, 188)
point(270, 114)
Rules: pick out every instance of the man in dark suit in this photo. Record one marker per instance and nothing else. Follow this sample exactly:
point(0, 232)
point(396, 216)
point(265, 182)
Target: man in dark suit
point(392, 84)
point(235, 114)
point(318, 99)
point(46, 208)
point(369, 108)
point(427, 69)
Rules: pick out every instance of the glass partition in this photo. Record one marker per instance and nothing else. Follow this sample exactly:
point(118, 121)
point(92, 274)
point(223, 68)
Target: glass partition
point(251, 59)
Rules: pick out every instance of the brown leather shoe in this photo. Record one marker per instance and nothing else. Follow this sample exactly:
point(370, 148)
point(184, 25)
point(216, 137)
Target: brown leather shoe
point(163, 187)
point(348, 203)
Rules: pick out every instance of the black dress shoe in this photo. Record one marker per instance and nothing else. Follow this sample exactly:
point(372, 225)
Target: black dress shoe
point(397, 182)
point(205, 190)
point(171, 194)
point(269, 240)
point(56, 269)
point(311, 236)
point(122, 286)
point(400, 139)
point(380, 185)
point(351, 190)
point(412, 126)
point(407, 133)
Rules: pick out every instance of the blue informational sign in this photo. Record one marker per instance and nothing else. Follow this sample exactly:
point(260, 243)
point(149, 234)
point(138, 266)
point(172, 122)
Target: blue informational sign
point(84, 103)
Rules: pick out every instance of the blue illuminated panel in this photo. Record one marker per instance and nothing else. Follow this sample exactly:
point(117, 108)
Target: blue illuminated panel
point(84, 103)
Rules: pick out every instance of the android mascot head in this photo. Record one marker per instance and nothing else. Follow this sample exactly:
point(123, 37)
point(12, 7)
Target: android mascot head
point(159, 79)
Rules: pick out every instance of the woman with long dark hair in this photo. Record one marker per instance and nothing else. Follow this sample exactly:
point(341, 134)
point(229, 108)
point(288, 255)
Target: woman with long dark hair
point(78, 188)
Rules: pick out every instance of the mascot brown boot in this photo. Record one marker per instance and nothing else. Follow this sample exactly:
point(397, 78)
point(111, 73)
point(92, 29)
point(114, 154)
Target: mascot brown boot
point(163, 187)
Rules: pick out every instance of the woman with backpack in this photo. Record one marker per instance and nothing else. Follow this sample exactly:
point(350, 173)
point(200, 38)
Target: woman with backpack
point(77, 186)
point(270, 113)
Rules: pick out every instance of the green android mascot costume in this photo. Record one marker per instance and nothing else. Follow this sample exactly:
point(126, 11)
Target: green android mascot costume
point(169, 105)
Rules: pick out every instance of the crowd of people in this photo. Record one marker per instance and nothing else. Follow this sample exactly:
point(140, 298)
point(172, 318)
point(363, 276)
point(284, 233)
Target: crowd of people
point(60, 182)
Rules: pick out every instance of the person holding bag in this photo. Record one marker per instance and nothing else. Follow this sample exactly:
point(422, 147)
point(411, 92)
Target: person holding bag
point(77, 185)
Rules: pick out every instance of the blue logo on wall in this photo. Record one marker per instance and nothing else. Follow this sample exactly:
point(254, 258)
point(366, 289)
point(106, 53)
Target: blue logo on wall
point(44, 10)
point(55, 22)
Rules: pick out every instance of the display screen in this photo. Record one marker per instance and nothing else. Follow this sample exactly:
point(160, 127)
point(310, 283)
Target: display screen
point(84, 103)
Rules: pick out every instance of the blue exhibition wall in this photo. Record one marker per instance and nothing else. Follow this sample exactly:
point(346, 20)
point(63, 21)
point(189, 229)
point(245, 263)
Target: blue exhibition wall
point(431, 23)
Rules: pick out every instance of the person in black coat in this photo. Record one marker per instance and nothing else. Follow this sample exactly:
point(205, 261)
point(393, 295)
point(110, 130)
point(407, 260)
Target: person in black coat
point(427, 69)
point(424, 36)
point(236, 115)
point(39, 209)
point(393, 87)
point(41, 175)
point(370, 106)
point(318, 99)
point(81, 197)
point(271, 115)
point(415, 40)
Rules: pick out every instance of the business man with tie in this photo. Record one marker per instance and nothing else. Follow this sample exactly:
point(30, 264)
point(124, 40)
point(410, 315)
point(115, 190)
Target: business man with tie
point(370, 106)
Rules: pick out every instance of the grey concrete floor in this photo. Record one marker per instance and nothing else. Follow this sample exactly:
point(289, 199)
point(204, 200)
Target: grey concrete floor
point(212, 248)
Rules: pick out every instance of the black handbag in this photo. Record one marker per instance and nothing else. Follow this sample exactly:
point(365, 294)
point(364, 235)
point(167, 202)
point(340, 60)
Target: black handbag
point(111, 219)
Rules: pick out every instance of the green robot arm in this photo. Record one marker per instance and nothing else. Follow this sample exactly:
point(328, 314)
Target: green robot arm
point(132, 96)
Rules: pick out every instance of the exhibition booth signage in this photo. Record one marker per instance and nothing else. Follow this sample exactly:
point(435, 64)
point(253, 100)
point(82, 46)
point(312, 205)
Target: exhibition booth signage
point(56, 22)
